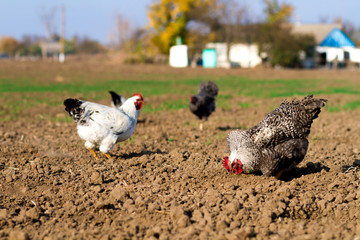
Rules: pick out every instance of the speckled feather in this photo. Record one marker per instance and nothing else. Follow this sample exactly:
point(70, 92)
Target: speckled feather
point(279, 141)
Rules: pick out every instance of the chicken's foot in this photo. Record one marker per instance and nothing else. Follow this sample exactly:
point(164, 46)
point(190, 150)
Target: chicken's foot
point(108, 156)
point(93, 153)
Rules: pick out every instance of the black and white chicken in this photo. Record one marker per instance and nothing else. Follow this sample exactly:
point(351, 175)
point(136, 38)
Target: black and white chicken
point(203, 103)
point(102, 126)
point(278, 143)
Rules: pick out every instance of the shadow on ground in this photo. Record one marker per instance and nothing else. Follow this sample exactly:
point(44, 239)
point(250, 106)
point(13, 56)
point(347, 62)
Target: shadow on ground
point(141, 153)
point(231, 128)
point(297, 172)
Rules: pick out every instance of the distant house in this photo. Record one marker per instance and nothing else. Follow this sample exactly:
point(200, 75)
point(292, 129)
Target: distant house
point(319, 31)
point(50, 49)
point(239, 55)
point(245, 53)
point(337, 48)
point(238, 46)
point(334, 47)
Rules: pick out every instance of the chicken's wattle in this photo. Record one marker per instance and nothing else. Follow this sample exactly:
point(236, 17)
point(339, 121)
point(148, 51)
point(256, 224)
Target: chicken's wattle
point(226, 164)
point(138, 105)
point(192, 99)
point(236, 167)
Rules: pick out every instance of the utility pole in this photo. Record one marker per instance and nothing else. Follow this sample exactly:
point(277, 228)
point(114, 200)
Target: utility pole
point(62, 36)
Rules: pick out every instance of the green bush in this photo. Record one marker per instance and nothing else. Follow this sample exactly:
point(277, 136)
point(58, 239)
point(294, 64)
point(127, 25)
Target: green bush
point(283, 48)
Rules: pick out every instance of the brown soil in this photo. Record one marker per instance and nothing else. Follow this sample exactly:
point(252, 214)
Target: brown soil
point(167, 182)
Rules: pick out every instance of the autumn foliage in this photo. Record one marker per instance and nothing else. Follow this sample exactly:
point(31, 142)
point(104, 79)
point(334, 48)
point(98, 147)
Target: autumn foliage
point(277, 14)
point(9, 45)
point(169, 19)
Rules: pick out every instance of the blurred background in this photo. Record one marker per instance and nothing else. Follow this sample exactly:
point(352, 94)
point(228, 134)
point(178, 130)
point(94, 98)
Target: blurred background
point(182, 33)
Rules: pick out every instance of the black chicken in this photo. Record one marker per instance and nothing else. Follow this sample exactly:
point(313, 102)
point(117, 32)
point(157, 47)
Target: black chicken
point(203, 103)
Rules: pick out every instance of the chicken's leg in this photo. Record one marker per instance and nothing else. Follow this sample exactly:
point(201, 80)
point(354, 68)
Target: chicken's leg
point(278, 175)
point(108, 156)
point(201, 126)
point(93, 153)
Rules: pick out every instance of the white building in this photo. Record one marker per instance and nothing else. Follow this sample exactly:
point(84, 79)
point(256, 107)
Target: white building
point(333, 44)
point(240, 55)
point(179, 56)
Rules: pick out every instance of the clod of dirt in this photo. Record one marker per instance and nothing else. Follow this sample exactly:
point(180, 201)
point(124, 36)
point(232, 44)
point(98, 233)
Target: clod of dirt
point(197, 215)
point(154, 206)
point(212, 196)
point(9, 178)
point(176, 213)
point(233, 207)
point(4, 213)
point(33, 213)
point(97, 178)
point(139, 201)
point(103, 205)
point(119, 193)
point(221, 225)
point(128, 202)
point(183, 221)
point(18, 235)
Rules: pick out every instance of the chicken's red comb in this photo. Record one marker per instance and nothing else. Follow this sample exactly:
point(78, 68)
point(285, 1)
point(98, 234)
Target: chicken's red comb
point(138, 94)
point(226, 164)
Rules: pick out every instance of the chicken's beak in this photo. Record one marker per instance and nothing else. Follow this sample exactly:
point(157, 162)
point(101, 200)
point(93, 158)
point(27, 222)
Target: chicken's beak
point(140, 101)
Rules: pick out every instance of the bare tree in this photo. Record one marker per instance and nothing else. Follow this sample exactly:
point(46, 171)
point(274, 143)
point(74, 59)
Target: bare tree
point(351, 31)
point(121, 32)
point(123, 29)
point(231, 18)
point(47, 17)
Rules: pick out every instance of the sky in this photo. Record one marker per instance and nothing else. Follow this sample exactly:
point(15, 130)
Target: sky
point(96, 19)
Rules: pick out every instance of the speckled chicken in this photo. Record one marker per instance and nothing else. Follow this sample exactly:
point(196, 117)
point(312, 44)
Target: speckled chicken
point(278, 143)
point(103, 126)
point(203, 103)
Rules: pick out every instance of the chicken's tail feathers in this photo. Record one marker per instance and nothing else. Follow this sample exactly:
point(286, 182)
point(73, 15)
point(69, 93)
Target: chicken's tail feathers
point(209, 88)
point(313, 105)
point(73, 107)
point(117, 99)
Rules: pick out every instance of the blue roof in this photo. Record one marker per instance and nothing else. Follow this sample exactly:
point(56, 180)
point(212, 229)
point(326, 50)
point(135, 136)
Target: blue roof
point(337, 38)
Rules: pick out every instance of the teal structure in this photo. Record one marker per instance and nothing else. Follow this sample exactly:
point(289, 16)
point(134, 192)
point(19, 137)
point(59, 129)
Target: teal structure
point(209, 58)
